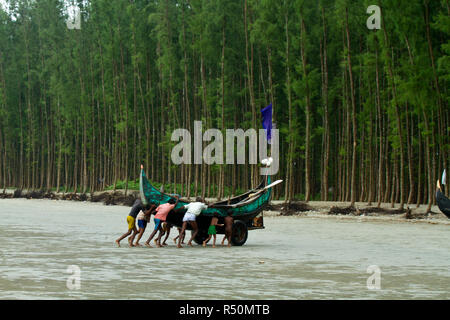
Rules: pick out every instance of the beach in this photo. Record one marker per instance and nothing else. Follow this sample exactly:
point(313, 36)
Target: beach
point(318, 209)
point(44, 244)
point(369, 212)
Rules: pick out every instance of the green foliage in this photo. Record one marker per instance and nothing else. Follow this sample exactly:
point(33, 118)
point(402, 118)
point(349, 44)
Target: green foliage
point(168, 187)
point(79, 105)
point(120, 184)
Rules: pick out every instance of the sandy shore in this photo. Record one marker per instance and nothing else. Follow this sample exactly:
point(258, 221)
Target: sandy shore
point(292, 258)
point(321, 209)
point(313, 209)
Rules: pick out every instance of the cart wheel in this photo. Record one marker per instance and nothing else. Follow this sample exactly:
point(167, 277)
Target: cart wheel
point(240, 233)
point(200, 237)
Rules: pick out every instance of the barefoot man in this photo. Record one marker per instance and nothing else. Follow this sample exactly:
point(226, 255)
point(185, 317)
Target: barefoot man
point(228, 228)
point(131, 221)
point(162, 212)
point(143, 219)
point(193, 210)
point(212, 230)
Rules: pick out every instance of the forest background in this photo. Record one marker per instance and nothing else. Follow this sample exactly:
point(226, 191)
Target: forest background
point(363, 114)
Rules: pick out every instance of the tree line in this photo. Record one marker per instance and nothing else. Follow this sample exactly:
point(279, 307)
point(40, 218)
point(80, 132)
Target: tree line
point(363, 114)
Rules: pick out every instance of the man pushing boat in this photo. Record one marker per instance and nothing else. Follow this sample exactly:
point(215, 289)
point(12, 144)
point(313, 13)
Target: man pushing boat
point(193, 211)
point(160, 217)
point(131, 221)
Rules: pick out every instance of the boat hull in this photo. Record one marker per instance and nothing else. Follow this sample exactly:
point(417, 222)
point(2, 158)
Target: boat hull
point(443, 203)
point(243, 207)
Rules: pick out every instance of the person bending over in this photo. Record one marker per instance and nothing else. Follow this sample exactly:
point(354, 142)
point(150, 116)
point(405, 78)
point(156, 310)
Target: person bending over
point(131, 222)
point(212, 230)
point(143, 218)
point(193, 211)
point(161, 214)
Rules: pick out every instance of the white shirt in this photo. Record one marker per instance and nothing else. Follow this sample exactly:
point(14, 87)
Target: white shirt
point(195, 208)
point(141, 216)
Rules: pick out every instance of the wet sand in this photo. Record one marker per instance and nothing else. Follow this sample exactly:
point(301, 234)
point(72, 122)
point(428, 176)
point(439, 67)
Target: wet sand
point(321, 209)
point(315, 256)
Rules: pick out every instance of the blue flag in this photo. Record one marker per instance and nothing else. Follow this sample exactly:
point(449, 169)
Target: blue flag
point(267, 121)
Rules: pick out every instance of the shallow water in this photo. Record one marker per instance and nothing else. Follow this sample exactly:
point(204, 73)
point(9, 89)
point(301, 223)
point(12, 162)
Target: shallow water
point(293, 258)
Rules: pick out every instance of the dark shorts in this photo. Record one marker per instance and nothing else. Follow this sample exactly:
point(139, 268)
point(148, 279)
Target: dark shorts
point(142, 224)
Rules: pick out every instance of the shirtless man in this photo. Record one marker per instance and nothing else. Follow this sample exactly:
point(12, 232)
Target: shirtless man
point(212, 230)
point(228, 228)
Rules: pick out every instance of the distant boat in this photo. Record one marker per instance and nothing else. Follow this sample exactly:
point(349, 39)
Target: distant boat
point(245, 208)
point(443, 203)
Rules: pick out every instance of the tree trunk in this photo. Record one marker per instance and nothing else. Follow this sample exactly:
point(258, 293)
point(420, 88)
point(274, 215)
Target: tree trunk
point(352, 92)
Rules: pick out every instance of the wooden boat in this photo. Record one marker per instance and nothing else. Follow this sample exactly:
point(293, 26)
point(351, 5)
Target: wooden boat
point(244, 208)
point(443, 203)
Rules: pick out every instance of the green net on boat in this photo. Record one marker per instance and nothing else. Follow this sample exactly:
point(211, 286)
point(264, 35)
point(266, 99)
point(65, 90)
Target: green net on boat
point(150, 195)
